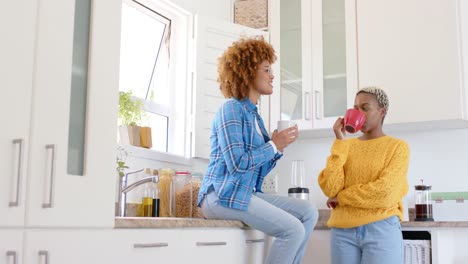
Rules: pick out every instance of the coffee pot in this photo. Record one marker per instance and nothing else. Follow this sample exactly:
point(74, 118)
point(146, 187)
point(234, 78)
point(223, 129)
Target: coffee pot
point(423, 202)
point(298, 189)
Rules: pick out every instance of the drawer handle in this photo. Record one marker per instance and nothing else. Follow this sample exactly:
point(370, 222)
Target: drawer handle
point(318, 105)
point(12, 254)
point(150, 245)
point(50, 203)
point(202, 244)
point(44, 253)
point(307, 106)
point(260, 240)
point(18, 141)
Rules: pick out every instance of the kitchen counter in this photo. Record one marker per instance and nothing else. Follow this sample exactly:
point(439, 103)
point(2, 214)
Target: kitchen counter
point(172, 222)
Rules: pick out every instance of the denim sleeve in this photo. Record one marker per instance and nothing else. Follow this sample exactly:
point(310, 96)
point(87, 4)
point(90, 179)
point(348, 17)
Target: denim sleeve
point(239, 156)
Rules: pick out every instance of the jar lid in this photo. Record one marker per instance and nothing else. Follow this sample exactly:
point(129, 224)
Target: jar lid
point(182, 173)
point(422, 187)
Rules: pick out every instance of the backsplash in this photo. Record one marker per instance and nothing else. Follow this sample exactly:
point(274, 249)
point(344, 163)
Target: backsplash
point(438, 157)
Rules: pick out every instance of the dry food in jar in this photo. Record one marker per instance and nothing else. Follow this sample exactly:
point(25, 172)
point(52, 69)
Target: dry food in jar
point(165, 187)
point(182, 187)
point(196, 183)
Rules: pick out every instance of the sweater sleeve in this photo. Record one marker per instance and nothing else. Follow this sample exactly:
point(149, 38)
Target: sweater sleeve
point(331, 179)
point(387, 190)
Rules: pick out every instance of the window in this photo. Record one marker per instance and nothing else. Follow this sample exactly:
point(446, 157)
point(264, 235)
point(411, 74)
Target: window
point(154, 65)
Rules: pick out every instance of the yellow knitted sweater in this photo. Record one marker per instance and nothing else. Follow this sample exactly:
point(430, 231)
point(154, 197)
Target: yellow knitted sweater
point(369, 179)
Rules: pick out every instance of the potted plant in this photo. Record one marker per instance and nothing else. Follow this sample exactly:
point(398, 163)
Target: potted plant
point(131, 116)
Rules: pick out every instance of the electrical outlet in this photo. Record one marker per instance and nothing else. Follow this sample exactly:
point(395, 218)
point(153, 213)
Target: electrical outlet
point(270, 184)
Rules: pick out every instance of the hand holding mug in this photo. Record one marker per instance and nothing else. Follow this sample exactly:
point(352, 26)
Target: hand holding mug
point(332, 203)
point(282, 138)
point(338, 128)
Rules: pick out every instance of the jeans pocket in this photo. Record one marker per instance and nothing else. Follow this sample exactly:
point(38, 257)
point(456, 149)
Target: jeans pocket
point(393, 221)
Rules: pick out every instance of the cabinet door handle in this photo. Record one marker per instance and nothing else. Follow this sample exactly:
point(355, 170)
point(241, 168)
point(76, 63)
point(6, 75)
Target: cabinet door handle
point(45, 254)
point(11, 254)
point(307, 106)
point(202, 244)
point(19, 175)
point(150, 245)
point(318, 105)
point(260, 240)
point(50, 204)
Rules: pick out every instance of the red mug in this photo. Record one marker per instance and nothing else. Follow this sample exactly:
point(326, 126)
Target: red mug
point(353, 120)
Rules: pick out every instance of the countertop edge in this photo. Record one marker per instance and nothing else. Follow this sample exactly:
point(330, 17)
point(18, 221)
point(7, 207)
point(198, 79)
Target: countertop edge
point(173, 222)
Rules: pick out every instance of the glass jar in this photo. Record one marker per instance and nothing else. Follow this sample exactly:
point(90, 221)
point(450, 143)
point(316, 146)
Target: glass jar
point(423, 202)
point(196, 183)
point(165, 187)
point(182, 194)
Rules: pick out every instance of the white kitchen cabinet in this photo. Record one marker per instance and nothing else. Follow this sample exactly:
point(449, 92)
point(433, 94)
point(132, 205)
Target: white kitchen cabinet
point(148, 246)
point(189, 245)
point(11, 246)
point(212, 245)
point(55, 197)
point(17, 19)
point(318, 248)
point(73, 246)
point(317, 68)
point(256, 246)
point(38, 190)
point(416, 59)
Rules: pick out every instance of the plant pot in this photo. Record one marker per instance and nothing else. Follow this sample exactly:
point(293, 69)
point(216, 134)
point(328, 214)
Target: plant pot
point(129, 135)
point(145, 137)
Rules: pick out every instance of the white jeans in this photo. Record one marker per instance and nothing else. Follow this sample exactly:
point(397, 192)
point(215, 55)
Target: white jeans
point(289, 220)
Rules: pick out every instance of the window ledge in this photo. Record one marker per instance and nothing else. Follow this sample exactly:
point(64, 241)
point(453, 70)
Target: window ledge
point(151, 154)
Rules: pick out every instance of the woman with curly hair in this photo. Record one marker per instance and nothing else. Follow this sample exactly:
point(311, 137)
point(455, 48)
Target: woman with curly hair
point(242, 154)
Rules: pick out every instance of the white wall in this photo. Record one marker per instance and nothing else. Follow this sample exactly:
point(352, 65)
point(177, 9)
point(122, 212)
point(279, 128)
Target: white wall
point(438, 157)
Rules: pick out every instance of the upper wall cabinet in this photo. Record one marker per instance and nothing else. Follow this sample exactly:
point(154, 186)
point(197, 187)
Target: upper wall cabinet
point(17, 19)
point(316, 72)
point(413, 50)
point(39, 189)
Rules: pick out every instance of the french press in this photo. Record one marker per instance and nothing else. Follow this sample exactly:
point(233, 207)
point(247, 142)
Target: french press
point(423, 202)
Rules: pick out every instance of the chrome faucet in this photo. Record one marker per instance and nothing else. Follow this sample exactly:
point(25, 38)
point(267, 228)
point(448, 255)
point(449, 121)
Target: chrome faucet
point(123, 189)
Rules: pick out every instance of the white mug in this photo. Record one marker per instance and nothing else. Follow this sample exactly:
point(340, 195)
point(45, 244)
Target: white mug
point(283, 124)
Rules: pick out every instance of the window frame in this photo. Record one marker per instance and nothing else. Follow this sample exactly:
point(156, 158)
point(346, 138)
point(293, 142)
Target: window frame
point(180, 80)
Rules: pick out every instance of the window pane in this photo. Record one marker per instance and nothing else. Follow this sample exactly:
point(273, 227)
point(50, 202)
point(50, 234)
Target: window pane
point(159, 88)
point(158, 124)
point(141, 38)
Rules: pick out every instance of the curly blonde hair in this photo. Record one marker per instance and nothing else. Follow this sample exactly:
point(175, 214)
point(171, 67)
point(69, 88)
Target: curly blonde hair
point(238, 65)
point(380, 95)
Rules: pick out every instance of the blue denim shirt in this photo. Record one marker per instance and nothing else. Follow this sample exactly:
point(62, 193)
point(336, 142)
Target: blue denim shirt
point(240, 157)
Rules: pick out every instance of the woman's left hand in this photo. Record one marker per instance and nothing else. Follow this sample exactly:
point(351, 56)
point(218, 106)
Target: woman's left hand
point(332, 202)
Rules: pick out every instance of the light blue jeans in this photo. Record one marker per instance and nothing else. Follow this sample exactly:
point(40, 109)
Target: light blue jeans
point(379, 242)
point(289, 220)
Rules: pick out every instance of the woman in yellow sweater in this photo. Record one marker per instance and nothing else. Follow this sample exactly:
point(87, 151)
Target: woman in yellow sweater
point(365, 180)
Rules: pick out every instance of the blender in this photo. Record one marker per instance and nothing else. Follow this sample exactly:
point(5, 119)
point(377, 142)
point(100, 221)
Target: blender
point(297, 189)
point(422, 202)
